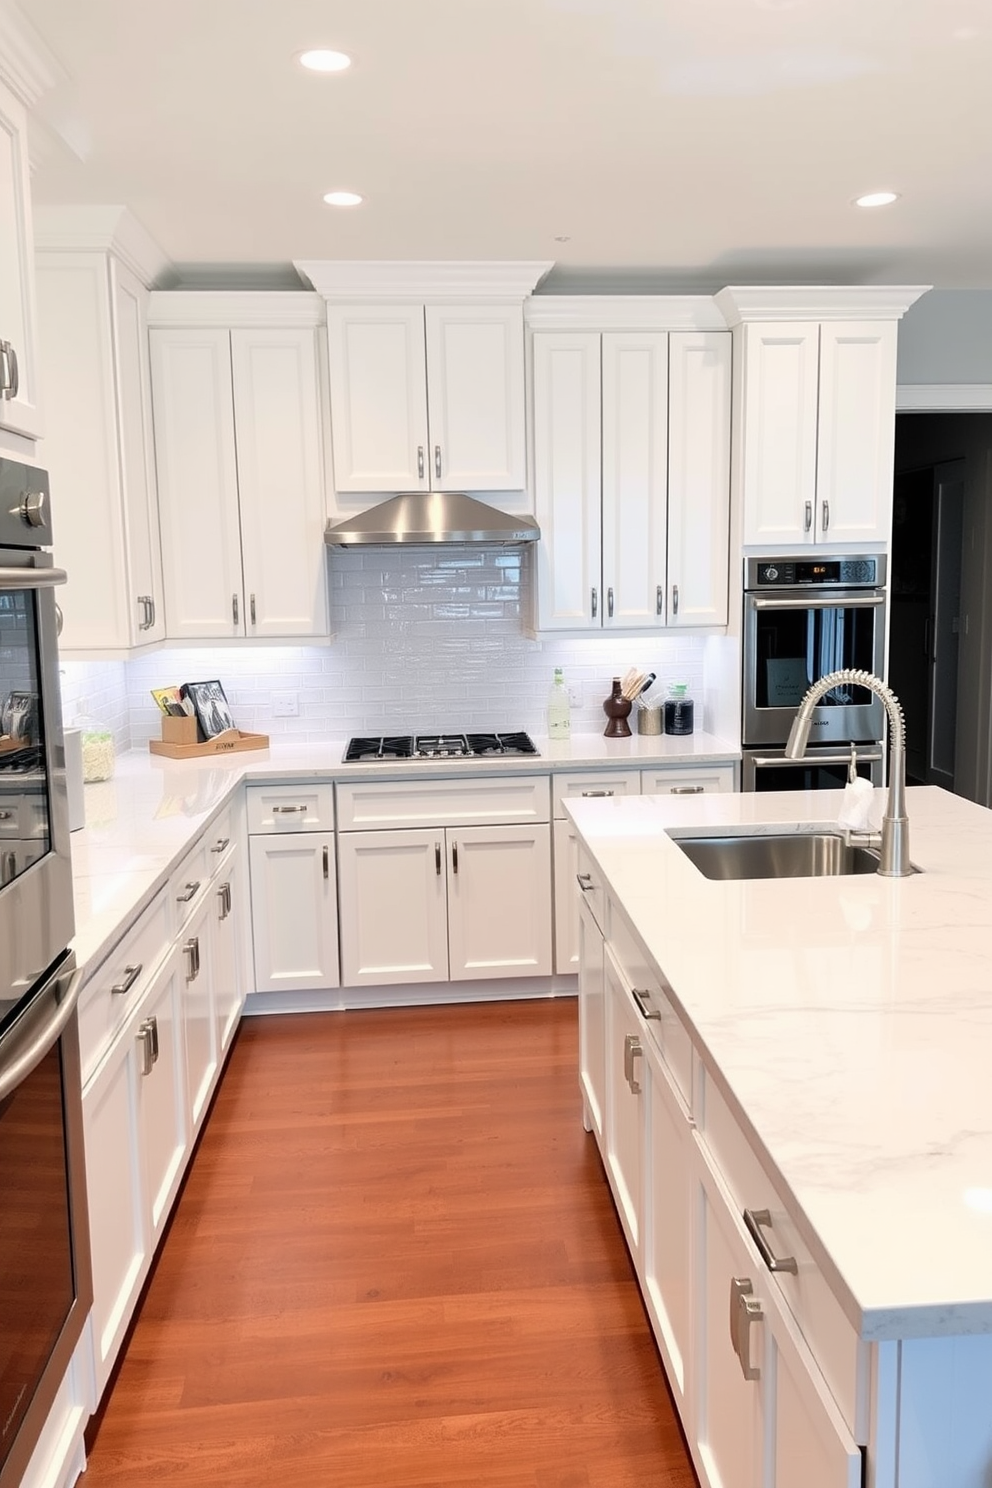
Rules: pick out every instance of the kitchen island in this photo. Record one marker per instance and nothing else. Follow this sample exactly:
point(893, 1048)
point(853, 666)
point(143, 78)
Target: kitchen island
point(826, 1041)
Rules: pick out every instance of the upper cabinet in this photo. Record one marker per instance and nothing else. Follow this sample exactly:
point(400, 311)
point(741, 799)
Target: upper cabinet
point(815, 412)
point(93, 337)
point(239, 458)
point(426, 374)
point(632, 478)
point(19, 413)
point(427, 398)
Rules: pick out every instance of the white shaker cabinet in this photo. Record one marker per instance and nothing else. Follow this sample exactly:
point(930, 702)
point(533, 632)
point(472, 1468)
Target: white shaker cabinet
point(19, 412)
point(631, 469)
point(394, 914)
point(239, 458)
point(499, 901)
point(92, 316)
point(427, 398)
point(592, 1021)
point(623, 1151)
point(198, 1015)
point(293, 870)
point(225, 948)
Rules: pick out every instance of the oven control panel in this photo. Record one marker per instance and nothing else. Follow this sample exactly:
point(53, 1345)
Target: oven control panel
point(786, 573)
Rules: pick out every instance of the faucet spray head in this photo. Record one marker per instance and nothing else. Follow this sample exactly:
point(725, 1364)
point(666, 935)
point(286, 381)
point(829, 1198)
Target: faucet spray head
point(799, 734)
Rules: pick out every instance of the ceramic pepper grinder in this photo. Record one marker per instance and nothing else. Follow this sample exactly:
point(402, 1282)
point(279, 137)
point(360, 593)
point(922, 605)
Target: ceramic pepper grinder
point(617, 709)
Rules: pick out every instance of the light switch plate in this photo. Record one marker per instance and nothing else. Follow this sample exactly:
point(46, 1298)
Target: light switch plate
point(285, 705)
point(575, 694)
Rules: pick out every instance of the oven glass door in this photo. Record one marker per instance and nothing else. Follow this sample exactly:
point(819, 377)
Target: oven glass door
point(791, 641)
point(25, 809)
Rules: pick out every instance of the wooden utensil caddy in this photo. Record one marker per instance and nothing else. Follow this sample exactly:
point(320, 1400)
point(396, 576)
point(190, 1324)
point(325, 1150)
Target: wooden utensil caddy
point(180, 740)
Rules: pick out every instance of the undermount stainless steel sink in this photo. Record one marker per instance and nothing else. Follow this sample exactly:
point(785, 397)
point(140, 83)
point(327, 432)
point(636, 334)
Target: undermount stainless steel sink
point(782, 855)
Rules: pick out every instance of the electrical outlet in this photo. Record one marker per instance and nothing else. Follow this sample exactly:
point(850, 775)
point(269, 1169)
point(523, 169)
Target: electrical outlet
point(285, 705)
point(575, 694)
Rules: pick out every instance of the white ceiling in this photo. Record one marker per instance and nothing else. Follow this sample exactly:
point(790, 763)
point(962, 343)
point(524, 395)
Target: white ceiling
point(679, 144)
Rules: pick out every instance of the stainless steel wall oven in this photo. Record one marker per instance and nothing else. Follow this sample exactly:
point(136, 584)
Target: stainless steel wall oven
point(45, 1285)
point(803, 618)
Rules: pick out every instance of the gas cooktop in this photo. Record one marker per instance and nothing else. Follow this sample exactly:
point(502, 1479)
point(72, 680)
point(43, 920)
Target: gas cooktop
point(439, 746)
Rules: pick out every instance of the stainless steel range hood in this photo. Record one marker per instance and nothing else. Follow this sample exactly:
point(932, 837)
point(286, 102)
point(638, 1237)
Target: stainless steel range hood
point(430, 517)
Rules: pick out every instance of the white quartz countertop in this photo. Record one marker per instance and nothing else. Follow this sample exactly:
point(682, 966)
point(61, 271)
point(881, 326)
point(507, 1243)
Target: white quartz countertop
point(140, 823)
point(848, 1021)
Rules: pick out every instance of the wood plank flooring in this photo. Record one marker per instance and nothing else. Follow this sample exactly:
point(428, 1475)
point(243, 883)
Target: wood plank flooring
point(395, 1262)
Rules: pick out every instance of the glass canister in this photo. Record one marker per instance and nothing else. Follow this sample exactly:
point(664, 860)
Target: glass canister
point(678, 709)
point(97, 750)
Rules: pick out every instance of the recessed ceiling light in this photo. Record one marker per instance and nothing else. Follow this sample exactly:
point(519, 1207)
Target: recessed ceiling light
point(322, 60)
point(876, 199)
point(343, 199)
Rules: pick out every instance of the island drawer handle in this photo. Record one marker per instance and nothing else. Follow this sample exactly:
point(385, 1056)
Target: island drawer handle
point(643, 1000)
point(131, 975)
point(745, 1309)
point(631, 1049)
point(221, 844)
point(190, 892)
point(584, 881)
point(755, 1219)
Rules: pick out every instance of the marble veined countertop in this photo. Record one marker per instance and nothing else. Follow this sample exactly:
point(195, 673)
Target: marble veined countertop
point(140, 823)
point(848, 1021)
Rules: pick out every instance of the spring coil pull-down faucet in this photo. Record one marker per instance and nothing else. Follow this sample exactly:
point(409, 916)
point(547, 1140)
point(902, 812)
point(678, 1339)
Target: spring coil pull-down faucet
point(894, 849)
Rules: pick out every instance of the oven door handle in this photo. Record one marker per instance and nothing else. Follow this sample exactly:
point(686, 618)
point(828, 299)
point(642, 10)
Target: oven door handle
point(816, 602)
point(29, 1050)
point(31, 578)
point(864, 757)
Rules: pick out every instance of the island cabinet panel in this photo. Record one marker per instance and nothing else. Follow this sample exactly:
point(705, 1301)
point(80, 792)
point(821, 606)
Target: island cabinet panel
point(162, 1095)
point(624, 1126)
point(945, 1417)
point(199, 1018)
point(592, 1021)
point(666, 1246)
point(763, 1413)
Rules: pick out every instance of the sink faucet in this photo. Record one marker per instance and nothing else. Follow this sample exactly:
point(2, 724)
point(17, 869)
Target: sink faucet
point(894, 854)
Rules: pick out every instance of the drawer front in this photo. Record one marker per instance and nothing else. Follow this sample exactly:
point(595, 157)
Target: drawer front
point(371, 805)
point(831, 1337)
point(651, 992)
point(118, 984)
point(189, 881)
point(291, 808)
point(690, 780)
point(594, 783)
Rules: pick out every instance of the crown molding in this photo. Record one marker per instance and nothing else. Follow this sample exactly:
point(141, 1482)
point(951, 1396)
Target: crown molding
point(742, 303)
point(223, 309)
point(623, 313)
point(77, 229)
point(944, 397)
point(27, 66)
point(388, 280)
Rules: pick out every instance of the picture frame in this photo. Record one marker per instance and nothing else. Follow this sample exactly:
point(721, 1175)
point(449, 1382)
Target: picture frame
point(213, 712)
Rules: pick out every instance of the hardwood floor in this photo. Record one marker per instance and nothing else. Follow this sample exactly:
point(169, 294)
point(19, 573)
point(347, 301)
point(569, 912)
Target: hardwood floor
point(395, 1262)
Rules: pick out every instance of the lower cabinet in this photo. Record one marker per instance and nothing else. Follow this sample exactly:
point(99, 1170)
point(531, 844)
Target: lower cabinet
point(135, 1125)
point(294, 911)
point(623, 1150)
point(225, 959)
point(199, 1019)
point(592, 1020)
point(666, 1239)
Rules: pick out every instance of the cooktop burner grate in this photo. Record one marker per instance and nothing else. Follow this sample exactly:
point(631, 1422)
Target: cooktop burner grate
point(438, 746)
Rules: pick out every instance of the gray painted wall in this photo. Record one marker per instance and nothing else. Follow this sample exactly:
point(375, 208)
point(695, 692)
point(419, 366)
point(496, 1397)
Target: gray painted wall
point(947, 337)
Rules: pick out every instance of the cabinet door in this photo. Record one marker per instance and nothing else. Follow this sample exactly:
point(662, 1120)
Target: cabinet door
point(592, 1020)
point(393, 907)
point(378, 383)
point(566, 898)
point(198, 1012)
point(18, 409)
point(499, 901)
point(624, 1121)
point(635, 478)
point(193, 406)
point(856, 434)
point(294, 911)
point(779, 419)
point(146, 607)
point(475, 397)
point(225, 962)
point(162, 1092)
point(567, 480)
point(280, 492)
point(116, 1202)
point(781, 1426)
point(667, 1214)
point(698, 477)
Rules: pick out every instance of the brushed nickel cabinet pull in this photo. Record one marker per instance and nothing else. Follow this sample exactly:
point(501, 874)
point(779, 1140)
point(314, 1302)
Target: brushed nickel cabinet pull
point(659, 600)
point(437, 462)
point(631, 1049)
point(437, 859)
point(188, 893)
point(643, 1000)
point(221, 844)
point(826, 515)
point(745, 1309)
point(235, 609)
point(686, 790)
point(454, 857)
point(251, 607)
point(131, 975)
point(598, 793)
point(757, 1221)
point(420, 461)
point(327, 861)
point(609, 602)
point(808, 517)
point(595, 603)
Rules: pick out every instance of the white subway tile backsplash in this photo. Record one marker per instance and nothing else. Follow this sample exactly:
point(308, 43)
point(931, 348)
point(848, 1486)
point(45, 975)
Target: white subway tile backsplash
point(424, 640)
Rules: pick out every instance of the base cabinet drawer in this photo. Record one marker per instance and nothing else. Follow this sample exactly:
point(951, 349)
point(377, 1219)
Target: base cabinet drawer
point(118, 985)
point(290, 808)
point(593, 785)
point(688, 780)
point(391, 804)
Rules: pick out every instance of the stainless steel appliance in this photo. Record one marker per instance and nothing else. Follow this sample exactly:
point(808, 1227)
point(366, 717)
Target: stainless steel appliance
point(428, 517)
point(825, 768)
point(45, 1286)
point(438, 746)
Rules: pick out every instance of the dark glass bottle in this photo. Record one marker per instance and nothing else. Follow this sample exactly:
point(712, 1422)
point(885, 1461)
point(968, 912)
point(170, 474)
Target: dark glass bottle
point(678, 709)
